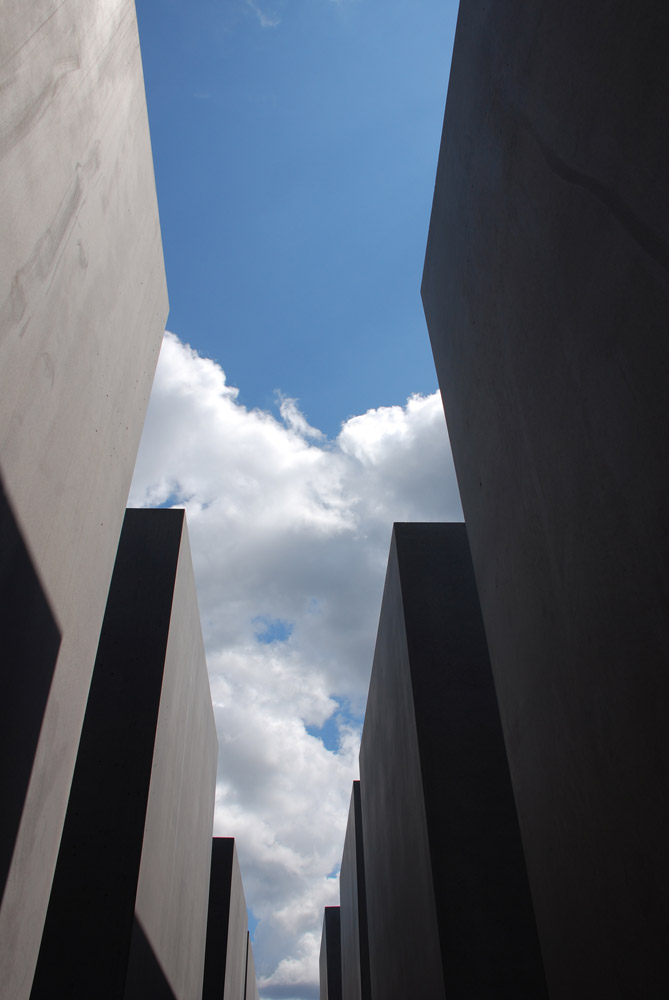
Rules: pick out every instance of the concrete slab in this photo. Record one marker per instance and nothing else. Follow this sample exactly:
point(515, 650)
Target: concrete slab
point(330, 956)
point(353, 907)
point(546, 291)
point(82, 310)
point(130, 892)
point(251, 987)
point(448, 905)
point(226, 959)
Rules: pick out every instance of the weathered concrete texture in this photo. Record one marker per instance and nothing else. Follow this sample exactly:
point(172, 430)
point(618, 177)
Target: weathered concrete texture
point(546, 290)
point(225, 974)
point(128, 907)
point(330, 956)
point(353, 907)
point(82, 310)
point(448, 905)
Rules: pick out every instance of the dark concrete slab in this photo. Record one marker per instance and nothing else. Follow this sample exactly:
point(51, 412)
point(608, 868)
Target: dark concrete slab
point(353, 907)
point(83, 305)
point(226, 956)
point(448, 905)
point(218, 917)
point(546, 291)
point(133, 867)
point(330, 956)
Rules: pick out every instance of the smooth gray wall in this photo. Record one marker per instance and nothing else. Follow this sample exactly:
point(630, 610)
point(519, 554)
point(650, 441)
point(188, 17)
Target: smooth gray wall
point(448, 905)
point(353, 907)
point(128, 908)
point(546, 291)
point(82, 310)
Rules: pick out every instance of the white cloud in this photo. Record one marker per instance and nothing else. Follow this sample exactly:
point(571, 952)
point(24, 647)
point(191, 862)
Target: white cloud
point(266, 20)
point(290, 535)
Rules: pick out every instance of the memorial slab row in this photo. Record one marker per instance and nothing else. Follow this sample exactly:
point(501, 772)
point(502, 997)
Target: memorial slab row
point(433, 864)
point(546, 293)
point(143, 904)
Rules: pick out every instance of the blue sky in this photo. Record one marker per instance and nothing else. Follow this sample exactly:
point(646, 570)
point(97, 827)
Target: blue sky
point(295, 147)
point(295, 165)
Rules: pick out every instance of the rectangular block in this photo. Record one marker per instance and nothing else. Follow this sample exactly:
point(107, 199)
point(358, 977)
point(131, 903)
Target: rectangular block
point(353, 907)
point(226, 970)
point(546, 291)
point(251, 986)
point(128, 909)
point(330, 956)
point(448, 906)
point(82, 310)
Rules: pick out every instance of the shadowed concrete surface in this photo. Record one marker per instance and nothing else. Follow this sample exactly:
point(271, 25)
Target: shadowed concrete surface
point(133, 866)
point(82, 310)
point(448, 905)
point(30, 654)
point(353, 907)
point(149, 977)
point(330, 956)
point(546, 291)
point(226, 958)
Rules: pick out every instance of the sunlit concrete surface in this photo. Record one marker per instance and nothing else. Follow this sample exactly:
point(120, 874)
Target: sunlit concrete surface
point(82, 309)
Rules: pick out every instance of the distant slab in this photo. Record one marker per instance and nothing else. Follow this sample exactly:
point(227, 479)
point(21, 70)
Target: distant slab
point(448, 905)
point(353, 907)
point(83, 305)
point(251, 987)
point(546, 292)
point(128, 909)
point(227, 968)
point(330, 956)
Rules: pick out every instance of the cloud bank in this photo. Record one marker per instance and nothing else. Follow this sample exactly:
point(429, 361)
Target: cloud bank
point(289, 533)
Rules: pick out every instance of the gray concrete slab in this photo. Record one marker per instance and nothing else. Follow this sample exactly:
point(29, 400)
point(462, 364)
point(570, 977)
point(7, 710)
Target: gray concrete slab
point(546, 291)
point(251, 986)
point(353, 907)
point(448, 905)
point(226, 958)
point(128, 908)
point(330, 956)
point(82, 309)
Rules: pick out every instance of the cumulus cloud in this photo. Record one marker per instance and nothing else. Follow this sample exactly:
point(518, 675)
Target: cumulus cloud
point(290, 534)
